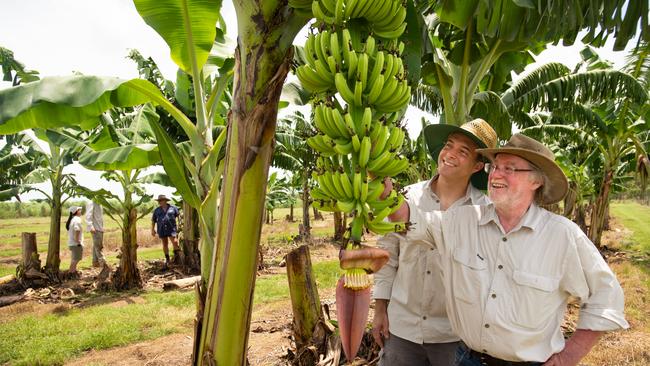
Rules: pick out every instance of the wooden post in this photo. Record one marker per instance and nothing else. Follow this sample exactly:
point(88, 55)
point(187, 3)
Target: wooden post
point(304, 295)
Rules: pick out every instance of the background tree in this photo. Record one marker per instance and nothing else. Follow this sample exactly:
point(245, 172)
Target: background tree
point(608, 105)
point(473, 46)
point(293, 154)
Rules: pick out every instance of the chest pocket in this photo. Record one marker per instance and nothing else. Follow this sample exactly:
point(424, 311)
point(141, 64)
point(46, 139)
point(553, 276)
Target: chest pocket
point(468, 271)
point(534, 299)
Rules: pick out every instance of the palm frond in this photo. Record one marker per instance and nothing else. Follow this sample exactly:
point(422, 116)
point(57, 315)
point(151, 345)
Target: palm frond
point(539, 76)
point(587, 87)
point(427, 98)
point(488, 105)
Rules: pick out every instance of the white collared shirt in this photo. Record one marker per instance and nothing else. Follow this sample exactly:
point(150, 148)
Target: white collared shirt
point(94, 216)
point(507, 293)
point(411, 278)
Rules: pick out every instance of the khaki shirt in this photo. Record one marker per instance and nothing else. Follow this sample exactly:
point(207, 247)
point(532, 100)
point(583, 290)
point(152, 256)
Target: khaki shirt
point(411, 278)
point(507, 293)
point(94, 216)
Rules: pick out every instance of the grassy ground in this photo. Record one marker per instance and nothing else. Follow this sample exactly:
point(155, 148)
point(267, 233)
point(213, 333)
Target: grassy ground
point(63, 332)
point(636, 218)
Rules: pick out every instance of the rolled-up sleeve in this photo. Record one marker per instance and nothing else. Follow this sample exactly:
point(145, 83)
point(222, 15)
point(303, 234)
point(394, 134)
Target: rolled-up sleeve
point(588, 277)
point(386, 275)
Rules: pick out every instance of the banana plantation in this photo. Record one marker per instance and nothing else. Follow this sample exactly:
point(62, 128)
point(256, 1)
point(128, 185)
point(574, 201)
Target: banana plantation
point(288, 141)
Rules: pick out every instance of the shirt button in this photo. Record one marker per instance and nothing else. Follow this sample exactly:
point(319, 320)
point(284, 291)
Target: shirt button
point(428, 272)
point(504, 239)
point(500, 267)
point(494, 296)
point(424, 318)
point(484, 351)
point(437, 201)
point(487, 325)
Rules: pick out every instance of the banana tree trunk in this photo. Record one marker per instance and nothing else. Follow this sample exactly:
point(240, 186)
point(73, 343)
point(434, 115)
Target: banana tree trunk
point(600, 206)
point(291, 213)
point(262, 61)
point(570, 200)
point(53, 262)
point(189, 245)
point(127, 274)
point(306, 225)
point(339, 226)
point(317, 214)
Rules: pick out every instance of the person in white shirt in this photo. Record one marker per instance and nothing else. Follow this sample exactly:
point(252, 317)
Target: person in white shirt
point(410, 321)
point(510, 267)
point(75, 237)
point(95, 224)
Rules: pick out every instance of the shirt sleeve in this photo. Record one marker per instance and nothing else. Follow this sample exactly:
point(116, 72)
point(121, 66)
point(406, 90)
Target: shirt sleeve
point(423, 225)
point(588, 277)
point(76, 225)
point(386, 275)
point(89, 216)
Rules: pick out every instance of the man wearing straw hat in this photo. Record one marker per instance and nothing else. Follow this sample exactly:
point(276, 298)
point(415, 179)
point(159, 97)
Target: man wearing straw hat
point(163, 222)
point(510, 267)
point(410, 321)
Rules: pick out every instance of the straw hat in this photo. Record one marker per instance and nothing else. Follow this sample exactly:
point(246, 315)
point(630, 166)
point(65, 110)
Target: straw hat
point(555, 182)
point(477, 130)
point(162, 197)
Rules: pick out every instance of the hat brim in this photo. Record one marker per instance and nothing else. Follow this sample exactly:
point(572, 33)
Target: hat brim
point(162, 199)
point(556, 185)
point(436, 137)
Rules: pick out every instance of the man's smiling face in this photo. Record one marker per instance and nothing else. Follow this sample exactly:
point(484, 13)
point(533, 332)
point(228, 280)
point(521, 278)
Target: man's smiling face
point(518, 187)
point(458, 157)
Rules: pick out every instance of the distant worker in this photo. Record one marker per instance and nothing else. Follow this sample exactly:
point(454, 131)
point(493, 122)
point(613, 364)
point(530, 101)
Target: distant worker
point(164, 223)
point(75, 237)
point(95, 224)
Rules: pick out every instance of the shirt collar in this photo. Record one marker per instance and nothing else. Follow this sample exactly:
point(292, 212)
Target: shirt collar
point(472, 194)
point(531, 219)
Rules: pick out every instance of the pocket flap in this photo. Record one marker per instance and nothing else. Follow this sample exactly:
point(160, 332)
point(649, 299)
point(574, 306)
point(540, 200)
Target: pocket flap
point(543, 283)
point(469, 258)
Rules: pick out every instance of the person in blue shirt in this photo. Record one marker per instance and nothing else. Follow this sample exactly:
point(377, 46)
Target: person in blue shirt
point(163, 223)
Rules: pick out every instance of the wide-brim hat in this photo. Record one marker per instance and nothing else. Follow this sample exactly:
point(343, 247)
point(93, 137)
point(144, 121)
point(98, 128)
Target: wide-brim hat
point(477, 130)
point(556, 185)
point(74, 209)
point(162, 197)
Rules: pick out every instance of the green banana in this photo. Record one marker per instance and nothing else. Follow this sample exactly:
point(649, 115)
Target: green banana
point(358, 93)
point(362, 70)
point(364, 151)
point(346, 184)
point(342, 87)
point(343, 149)
point(376, 70)
point(356, 143)
point(380, 142)
point(375, 165)
point(390, 34)
point(320, 14)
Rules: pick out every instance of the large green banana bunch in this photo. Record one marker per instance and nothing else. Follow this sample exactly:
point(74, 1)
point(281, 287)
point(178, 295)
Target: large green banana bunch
point(354, 68)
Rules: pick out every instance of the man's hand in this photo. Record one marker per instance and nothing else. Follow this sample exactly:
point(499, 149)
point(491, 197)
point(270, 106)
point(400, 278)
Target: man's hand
point(380, 322)
point(92, 229)
point(575, 349)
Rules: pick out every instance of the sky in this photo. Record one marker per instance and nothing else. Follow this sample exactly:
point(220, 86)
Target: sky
point(93, 37)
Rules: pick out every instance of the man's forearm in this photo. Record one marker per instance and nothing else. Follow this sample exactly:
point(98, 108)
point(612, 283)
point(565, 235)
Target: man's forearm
point(381, 305)
point(583, 340)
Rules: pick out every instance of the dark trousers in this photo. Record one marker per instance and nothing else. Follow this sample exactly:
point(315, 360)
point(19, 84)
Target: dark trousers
point(467, 357)
point(401, 352)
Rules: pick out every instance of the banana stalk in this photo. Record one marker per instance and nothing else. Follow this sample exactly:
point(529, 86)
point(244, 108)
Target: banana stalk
point(355, 70)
